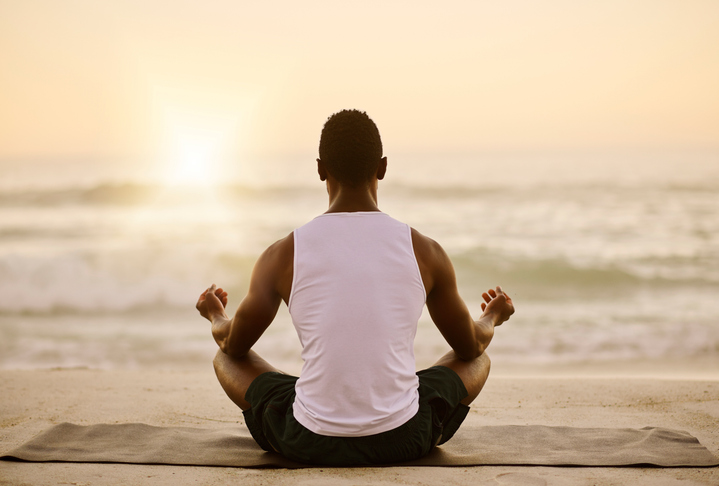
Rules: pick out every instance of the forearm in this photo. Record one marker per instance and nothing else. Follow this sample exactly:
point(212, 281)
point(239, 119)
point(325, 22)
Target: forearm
point(236, 336)
point(484, 332)
point(221, 328)
point(229, 337)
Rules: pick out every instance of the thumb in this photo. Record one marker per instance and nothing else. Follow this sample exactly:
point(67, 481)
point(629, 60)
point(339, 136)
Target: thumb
point(210, 293)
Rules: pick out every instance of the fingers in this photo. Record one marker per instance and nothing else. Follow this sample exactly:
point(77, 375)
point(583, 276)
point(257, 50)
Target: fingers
point(502, 292)
point(218, 292)
point(212, 290)
point(491, 294)
point(496, 301)
point(200, 301)
point(222, 295)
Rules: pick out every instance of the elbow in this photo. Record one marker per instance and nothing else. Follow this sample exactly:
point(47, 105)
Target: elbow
point(230, 351)
point(473, 348)
point(233, 350)
point(477, 350)
point(470, 354)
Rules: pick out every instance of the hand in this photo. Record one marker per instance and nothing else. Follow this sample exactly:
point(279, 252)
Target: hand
point(498, 305)
point(212, 302)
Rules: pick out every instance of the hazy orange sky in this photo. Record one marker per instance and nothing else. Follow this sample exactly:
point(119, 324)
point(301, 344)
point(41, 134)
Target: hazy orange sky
point(134, 78)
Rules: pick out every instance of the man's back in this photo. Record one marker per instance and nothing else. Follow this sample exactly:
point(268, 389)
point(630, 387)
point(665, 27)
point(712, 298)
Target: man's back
point(357, 295)
point(356, 288)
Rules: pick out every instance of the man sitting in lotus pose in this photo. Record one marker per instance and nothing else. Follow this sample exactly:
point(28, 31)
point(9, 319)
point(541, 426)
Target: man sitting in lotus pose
point(355, 281)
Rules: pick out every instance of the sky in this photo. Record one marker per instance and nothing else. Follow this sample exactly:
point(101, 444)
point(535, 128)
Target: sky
point(109, 79)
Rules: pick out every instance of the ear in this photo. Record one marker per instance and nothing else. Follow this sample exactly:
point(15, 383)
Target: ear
point(382, 168)
point(321, 170)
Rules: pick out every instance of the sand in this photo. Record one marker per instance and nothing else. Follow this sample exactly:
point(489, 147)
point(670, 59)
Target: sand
point(675, 395)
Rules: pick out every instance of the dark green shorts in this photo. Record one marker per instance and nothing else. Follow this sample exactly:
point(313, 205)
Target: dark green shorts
point(273, 425)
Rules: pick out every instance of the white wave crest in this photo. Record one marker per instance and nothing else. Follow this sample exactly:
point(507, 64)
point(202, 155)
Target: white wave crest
point(117, 281)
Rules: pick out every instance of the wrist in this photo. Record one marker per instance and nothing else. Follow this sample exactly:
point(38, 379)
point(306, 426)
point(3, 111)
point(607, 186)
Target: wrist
point(218, 318)
point(492, 319)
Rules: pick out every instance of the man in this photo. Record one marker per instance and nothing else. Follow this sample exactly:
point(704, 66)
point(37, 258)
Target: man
point(355, 281)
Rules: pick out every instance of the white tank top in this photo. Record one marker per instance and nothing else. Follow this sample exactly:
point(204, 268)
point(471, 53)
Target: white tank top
point(356, 297)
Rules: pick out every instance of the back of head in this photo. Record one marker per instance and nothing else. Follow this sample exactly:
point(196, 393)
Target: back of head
point(350, 147)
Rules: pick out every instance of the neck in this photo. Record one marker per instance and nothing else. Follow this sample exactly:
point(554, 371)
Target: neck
point(345, 199)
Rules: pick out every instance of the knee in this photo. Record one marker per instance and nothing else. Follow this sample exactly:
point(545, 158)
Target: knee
point(218, 360)
point(485, 361)
point(475, 380)
point(480, 370)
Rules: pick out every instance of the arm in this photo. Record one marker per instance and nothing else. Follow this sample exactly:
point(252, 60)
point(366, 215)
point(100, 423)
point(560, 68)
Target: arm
point(467, 337)
point(270, 283)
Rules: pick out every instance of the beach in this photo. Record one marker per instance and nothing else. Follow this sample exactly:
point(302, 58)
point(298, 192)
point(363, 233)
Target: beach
point(681, 395)
point(613, 271)
point(615, 281)
point(567, 152)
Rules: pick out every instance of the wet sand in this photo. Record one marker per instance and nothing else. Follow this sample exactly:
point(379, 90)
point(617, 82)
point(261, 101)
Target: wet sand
point(676, 395)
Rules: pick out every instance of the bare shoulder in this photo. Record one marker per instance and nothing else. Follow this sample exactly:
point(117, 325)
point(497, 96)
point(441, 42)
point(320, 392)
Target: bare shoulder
point(281, 249)
point(275, 265)
point(432, 259)
point(427, 249)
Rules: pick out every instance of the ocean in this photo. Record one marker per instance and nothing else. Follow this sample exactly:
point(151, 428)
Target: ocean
point(608, 255)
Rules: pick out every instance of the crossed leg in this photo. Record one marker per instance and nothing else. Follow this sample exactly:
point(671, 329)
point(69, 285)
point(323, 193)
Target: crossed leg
point(473, 373)
point(236, 374)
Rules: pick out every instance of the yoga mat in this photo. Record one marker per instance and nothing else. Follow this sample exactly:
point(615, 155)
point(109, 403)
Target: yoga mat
point(532, 445)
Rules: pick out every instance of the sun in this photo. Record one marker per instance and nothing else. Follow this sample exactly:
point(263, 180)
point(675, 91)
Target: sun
point(196, 145)
point(195, 155)
point(197, 135)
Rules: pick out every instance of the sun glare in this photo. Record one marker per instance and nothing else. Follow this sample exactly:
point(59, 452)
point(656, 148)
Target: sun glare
point(194, 157)
point(197, 143)
point(197, 135)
